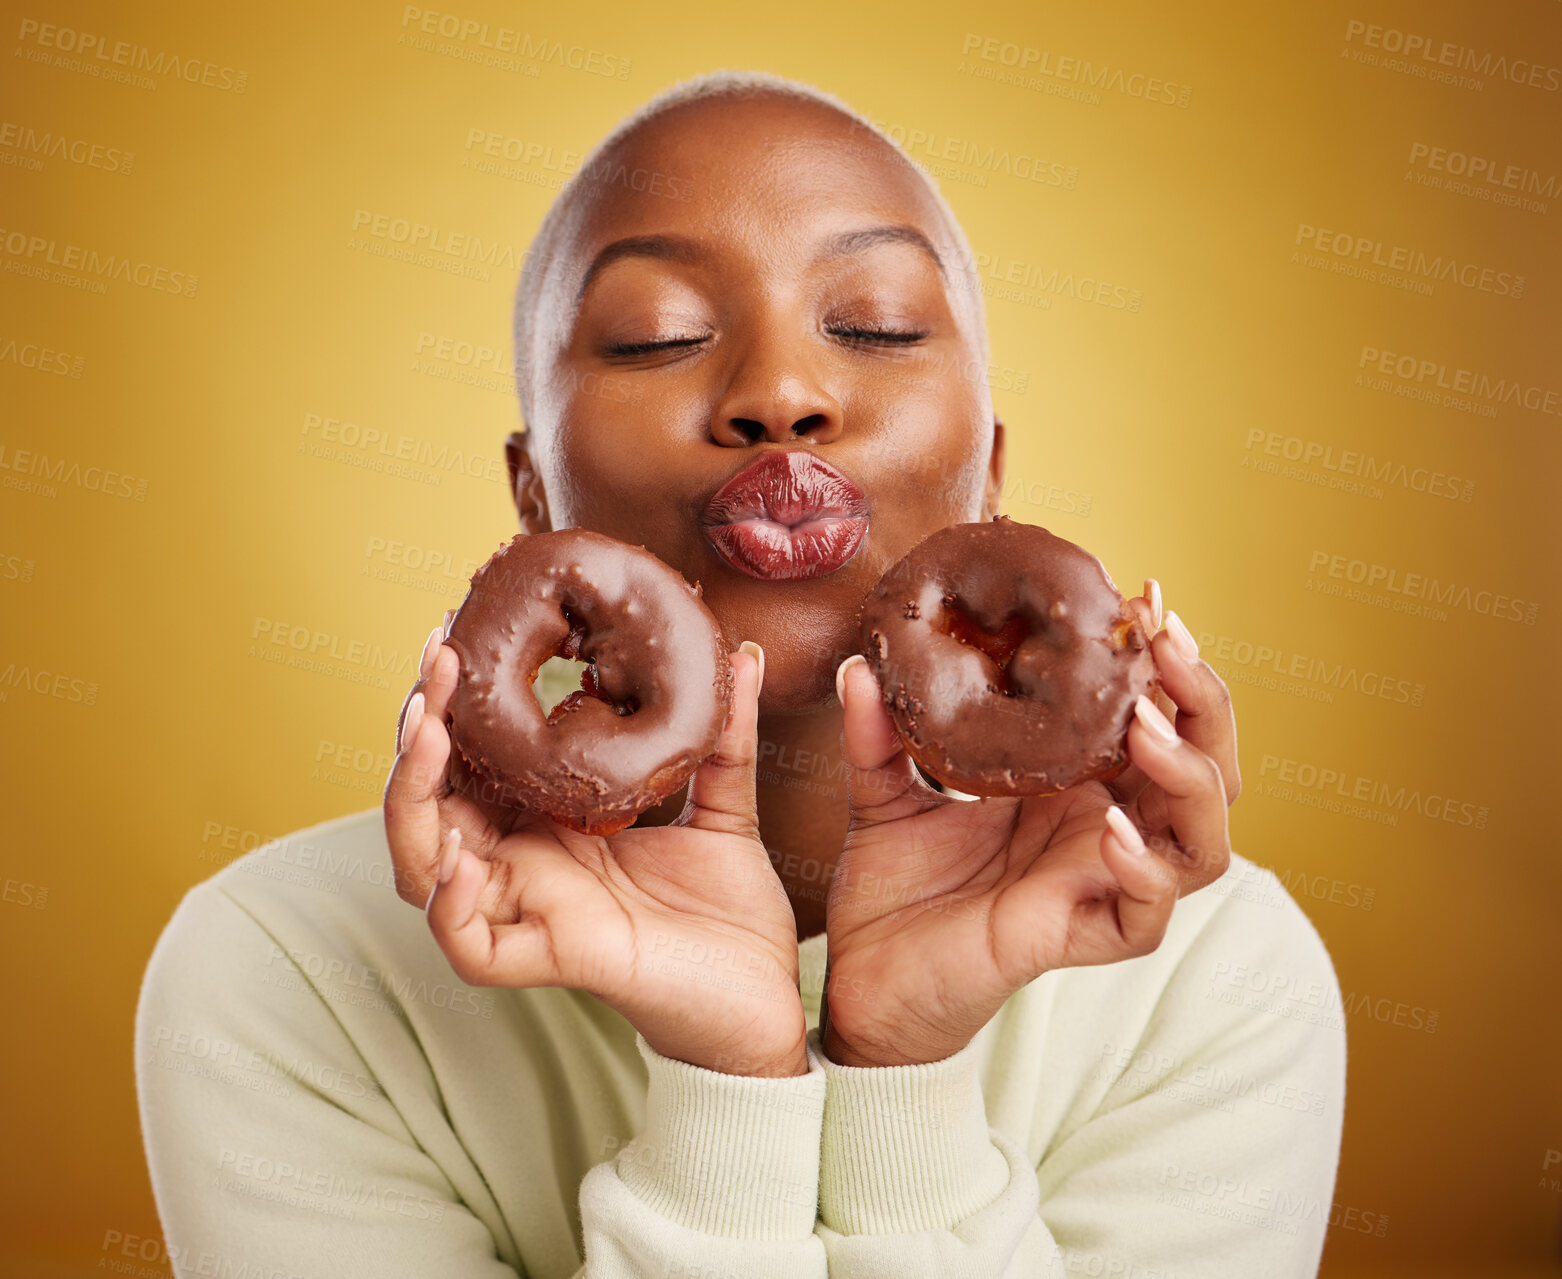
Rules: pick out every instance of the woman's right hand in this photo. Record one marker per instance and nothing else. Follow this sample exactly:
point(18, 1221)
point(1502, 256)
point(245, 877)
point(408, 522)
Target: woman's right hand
point(683, 929)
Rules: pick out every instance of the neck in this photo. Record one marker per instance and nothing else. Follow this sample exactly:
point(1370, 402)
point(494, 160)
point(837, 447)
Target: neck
point(801, 788)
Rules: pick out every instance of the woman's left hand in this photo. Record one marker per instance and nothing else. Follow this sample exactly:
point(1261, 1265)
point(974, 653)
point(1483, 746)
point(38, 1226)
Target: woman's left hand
point(942, 908)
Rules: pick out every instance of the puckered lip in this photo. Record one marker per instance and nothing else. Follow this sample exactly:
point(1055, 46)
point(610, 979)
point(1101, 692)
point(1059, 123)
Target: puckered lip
point(788, 515)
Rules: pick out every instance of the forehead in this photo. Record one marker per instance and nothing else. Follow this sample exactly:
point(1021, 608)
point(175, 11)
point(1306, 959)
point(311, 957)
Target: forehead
point(766, 167)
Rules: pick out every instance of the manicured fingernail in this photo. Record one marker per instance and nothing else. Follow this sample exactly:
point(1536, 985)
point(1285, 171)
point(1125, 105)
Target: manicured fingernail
point(758, 654)
point(411, 724)
point(1152, 592)
point(450, 854)
point(840, 675)
point(1182, 638)
point(1127, 834)
point(450, 616)
point(430, 650)
point(1150, 716)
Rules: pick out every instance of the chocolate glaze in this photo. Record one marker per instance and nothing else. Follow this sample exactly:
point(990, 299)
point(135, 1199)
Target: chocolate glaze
point(1009, 660)
point(651, 705)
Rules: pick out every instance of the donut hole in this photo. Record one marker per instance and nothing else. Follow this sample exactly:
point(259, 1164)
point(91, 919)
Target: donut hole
point(566, 679)
point(999, 646)
point(556, 679)
point(587, 687)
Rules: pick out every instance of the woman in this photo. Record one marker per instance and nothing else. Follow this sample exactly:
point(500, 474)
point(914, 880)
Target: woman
point(1032, 1063)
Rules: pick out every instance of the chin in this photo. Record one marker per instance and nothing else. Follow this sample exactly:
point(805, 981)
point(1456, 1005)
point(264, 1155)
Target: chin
point(804, 691)
point(805, 648)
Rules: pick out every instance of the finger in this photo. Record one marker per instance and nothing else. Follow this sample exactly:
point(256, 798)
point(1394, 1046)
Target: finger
point(1147, 610)
point(1203, 702)
point(440, 681)
point(1128, 785)
point(1187, 799)
point(480, 953)
point(882, 783)
point(1139, 607)
point(439, 669)
point(1147, 607)
point(430, 648)
point(721, 792)
point(432, 693)
point(1148, 884)
point(487, 809)
point(412, 801)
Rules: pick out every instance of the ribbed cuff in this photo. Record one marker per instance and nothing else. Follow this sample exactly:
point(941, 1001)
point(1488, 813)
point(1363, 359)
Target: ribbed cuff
point(906, 1148)
point(728, 1155)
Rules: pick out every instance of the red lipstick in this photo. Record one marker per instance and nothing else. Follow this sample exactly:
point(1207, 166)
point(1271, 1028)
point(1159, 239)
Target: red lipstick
point(787, 515)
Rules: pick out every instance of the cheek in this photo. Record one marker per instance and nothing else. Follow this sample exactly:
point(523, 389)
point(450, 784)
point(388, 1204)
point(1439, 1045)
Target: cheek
point(607, 457)
point(932, 419)
point(929, 463)
point(597, 485)
point(942, 488)
point(624, 479)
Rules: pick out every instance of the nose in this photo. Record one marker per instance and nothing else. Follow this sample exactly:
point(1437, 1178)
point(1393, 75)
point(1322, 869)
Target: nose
point(775, 395)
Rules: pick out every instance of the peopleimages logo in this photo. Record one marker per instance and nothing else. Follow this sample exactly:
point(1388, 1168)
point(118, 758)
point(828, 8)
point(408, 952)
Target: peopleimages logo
point(60, 146)
point(29, 254)
point(1424, 378)
point(1284, 778)
point(1420, 587)
point(435, 239)
point(931, 146)
point(1446, 53)
point(54, 470)
point(1027, 61)
point(1484, 169)
point(1265, 659)
point(500, 41)
point(41, 359)
point(1350, 462)
point(1046, 282)
point(122, 53)
point(1366, 252)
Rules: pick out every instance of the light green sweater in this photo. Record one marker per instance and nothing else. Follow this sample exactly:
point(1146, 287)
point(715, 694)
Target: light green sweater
point(321, 1097)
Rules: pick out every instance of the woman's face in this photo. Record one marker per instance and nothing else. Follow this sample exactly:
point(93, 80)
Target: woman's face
point(775, 298)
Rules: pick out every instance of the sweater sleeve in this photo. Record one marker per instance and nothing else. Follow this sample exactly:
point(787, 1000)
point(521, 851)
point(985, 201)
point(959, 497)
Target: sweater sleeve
point(722, 1180)
point(1212, 1152)
point(272, 1148)
point(914, 1184)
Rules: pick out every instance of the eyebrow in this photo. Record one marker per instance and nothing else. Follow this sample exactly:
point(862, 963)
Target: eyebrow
point(677, 248)
point(856, 241)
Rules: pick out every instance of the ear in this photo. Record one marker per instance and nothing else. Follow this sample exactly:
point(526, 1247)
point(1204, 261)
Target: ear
point(994, 492)
point(531, 502)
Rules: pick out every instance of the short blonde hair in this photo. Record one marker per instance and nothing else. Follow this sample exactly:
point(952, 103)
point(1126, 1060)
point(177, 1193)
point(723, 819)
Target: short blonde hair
point(715, 84)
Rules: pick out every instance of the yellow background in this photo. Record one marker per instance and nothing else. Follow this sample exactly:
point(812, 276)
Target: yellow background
point(1129, 429)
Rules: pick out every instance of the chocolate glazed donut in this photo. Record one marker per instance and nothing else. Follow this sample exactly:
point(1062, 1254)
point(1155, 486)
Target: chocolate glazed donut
point(1009, 660)
point(652, 701)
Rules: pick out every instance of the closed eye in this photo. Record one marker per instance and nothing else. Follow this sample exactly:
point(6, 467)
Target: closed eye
point(630, 349)
point(889, 336)
point(646, 348)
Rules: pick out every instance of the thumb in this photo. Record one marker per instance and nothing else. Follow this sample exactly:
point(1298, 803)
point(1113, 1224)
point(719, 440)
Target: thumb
point(721, 793)
point(882, 784)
